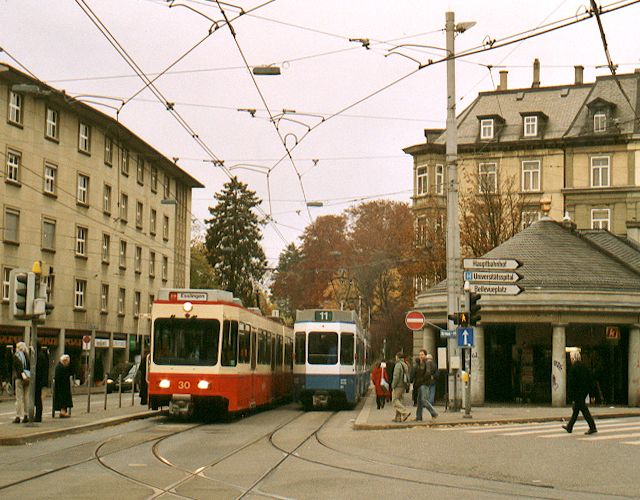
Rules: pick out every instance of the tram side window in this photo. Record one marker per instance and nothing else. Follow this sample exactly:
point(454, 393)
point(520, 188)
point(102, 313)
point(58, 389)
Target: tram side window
point(262, 348)
point(288, 353)
point(346, 349)
point(270, 353)
point(244, 344)
point(229, 343)
point(185, 341)
point(300, 348)
point(360, 353)
point(278, 353)
point(323, 348)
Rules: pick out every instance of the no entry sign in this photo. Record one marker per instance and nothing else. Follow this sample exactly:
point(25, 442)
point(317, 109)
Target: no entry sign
point(414, 320)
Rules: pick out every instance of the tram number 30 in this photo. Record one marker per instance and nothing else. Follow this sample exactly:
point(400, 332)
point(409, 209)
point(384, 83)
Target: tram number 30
point(184, 384)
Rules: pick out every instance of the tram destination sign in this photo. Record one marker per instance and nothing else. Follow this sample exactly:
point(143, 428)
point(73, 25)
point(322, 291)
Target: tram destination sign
point(492, 264)
point(494, 289)
point(492, 276)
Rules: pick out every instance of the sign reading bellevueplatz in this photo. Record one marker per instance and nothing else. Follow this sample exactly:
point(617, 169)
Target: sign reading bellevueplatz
point(491, 276)
point(491, 263)
point(495, 289)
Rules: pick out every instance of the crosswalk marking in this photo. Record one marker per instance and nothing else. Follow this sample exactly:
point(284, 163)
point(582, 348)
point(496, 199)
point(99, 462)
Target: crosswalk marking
point(615, 436)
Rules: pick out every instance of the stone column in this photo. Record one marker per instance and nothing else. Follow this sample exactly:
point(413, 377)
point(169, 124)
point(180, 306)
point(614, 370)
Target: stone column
point(477, 367)
point(559, 366)
point(634, 366)
point(430, 341)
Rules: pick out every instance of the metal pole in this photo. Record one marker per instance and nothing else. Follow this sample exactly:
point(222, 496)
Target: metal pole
point(53, 396)
point(133, 391)
point(90, 363)
point(467, 357)
point(105, 392)
point(71, 384)
point(33, 344)
point(120, 391)
point(453, 223)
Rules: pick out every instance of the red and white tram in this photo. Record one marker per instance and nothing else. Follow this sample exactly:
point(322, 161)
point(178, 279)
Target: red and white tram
point(209, 351)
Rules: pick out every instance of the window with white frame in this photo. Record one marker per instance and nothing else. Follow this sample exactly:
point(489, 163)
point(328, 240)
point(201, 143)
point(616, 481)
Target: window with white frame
point(599, 121)
point(16, 101)
point(124, 207)
point(106, 247)
point(439, 179)
point(104, 297)
point(528, 217)
point(6, 281)
point(122, 295)
point(152, 264)
point(600, 171)
point(50, 176)
point(51, 129)
point(165, 227)
point(81, 241)
point(14, 159)
point(11, 225)
point(154, 179)
point(48, 234)
point(486, 128)
point(422, 180)
point(124, 165)
point(80, 294)
point(165, 268)
point(140, 170)
point(123, 254)
point(152, 299)
point(83, 189)
point(139, 214)
point(84, 138)
point(137, 299)
point(530, 126)
point(600, 218)
point(137, 260)
point(108, 150)
point(421, 231)
point(106, 199)
point(488, 177)
point(153, 216)
point(531, 175)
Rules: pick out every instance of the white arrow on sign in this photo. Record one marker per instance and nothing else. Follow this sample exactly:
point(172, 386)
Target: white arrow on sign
point(491, 263)
point(492, 277)
point(495, 289)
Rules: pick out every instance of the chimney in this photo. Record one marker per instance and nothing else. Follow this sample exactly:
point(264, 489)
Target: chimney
point(536, 74)
point(503, 80)
point(579, 75)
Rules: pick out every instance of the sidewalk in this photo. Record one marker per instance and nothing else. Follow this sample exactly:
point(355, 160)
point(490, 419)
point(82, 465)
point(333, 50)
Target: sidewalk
point(370, 418)
point(80, 420)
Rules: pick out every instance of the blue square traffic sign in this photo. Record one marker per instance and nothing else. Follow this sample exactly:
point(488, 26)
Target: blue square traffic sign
point(465, 337)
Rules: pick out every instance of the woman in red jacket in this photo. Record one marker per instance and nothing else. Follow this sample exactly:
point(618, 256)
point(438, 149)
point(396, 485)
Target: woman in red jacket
point(381, 381)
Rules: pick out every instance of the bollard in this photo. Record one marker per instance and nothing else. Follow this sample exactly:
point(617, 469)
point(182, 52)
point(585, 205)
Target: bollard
point(133, 391)
point(70, 392)
point(53, 397)
point(105, 392)
point(89, 393)
point(120, 391)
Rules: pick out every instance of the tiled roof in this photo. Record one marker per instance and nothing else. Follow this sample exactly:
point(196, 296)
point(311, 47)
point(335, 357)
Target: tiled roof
point(618, 247)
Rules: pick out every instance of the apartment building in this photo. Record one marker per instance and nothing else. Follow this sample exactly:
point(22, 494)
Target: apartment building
point(106, 214)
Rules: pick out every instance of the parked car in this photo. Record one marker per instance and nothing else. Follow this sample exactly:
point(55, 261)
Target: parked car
point(128, 372)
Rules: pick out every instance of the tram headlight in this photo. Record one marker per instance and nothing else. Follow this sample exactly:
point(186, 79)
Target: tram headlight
point(187, 306)
point(203, 384)
point(165, 383)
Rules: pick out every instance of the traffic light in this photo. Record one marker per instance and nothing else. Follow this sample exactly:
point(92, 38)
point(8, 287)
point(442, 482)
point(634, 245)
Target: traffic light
point(22, 293)
point(474, 309)
point(463, 319)
point(42, 308)
point(453, 318)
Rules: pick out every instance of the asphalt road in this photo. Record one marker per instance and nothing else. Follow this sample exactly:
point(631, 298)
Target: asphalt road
point(286, 453)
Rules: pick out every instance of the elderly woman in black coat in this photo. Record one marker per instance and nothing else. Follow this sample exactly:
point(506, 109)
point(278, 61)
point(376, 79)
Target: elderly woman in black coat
point(62, 389)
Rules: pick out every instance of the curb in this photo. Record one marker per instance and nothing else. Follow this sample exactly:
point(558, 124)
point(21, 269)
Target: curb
point(100, 424)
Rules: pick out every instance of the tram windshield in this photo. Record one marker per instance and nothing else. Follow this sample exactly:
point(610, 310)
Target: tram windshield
point(323, 348)
point(186, 341)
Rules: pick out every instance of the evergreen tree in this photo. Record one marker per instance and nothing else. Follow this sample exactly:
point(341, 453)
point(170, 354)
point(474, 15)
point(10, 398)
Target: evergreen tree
point(233, 240)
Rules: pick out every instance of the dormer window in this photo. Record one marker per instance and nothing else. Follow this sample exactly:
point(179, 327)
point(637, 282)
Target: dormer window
point(530, 126)
point(486, 128)
point(599, 121)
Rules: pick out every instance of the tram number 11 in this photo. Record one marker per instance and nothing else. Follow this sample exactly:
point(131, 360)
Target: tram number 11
point(324, 315)
point(184, 384)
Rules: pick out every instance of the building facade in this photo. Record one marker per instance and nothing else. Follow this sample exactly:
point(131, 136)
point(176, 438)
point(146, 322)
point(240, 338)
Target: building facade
point(106, 214)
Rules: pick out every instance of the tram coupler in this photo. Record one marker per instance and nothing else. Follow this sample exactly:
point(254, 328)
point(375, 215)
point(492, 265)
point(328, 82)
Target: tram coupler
point(181, 405)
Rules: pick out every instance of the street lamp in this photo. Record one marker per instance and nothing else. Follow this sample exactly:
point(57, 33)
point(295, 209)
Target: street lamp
point(454, 268)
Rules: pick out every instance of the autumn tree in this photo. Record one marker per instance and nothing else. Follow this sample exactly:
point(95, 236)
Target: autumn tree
point(287, 287)
point(202, 274)
point(233, 240)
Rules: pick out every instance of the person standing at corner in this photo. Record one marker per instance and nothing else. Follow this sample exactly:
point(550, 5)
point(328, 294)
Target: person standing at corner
point(42, 377)
point(381, 383)
point(62, 389)
point(421, 382)
point(581, 386)
point(22, 375)
point(399, 386)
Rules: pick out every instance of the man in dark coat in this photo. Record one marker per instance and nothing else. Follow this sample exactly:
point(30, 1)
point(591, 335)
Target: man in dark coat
point(424, 376)
point(581, 387)
point(42, 378)
point(62, 389)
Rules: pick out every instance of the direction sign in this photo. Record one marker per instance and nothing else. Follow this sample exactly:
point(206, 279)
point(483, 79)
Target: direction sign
point(414, 320)
point(448, 334)
point(491, 263)
point(495, 289)
point(465, 337)
point(492, 276)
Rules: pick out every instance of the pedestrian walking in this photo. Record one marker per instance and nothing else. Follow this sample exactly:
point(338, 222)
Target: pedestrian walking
point(389, 367)
point(424, 378)
point(581, 387)
point(381, 383)
point(42, 378)
point(62, 389)
point(21, 376)
point(400, 385)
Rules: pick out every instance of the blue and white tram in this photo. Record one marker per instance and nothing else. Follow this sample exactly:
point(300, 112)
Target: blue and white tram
point(330, 362)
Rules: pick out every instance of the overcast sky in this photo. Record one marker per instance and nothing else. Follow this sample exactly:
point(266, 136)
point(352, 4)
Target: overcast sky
point(351, 156)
